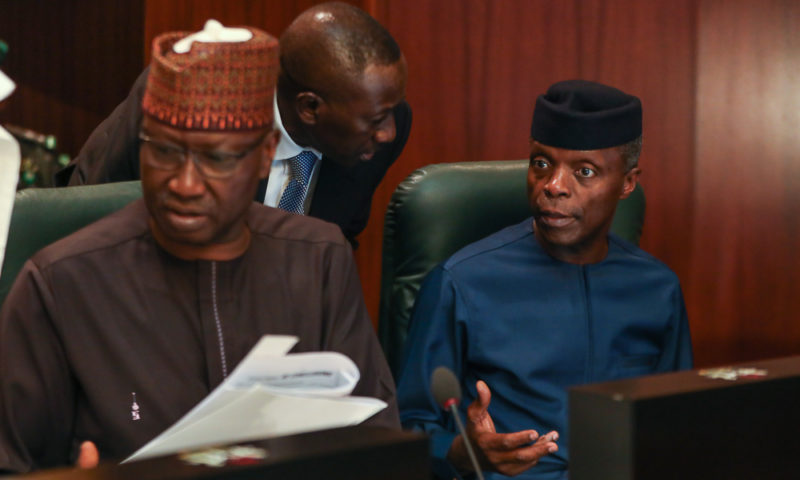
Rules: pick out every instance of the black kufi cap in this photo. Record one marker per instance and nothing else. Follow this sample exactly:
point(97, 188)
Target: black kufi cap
point(582, 115)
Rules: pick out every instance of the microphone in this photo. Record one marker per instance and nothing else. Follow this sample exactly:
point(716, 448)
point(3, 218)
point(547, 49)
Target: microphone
point(447, 392)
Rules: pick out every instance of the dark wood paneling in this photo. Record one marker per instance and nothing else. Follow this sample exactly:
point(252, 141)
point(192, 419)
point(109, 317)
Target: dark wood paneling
point(73, 61)
point(742, 295)
point(272, 16)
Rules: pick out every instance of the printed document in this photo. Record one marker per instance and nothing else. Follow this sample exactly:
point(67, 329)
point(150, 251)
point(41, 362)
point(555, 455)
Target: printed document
point(269, 394)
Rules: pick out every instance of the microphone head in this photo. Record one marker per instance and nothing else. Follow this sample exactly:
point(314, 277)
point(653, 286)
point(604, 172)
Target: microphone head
point(445, 386)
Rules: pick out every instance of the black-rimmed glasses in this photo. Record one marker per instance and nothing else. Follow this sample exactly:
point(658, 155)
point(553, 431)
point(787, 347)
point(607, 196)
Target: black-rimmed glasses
point(166, 156)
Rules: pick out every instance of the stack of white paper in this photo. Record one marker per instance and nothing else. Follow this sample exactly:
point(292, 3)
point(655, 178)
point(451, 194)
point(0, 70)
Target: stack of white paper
point(271, 394)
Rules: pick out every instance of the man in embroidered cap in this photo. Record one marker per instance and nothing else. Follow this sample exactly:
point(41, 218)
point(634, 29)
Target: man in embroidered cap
point(340, 107)
point(552, 302)
point(112, 334)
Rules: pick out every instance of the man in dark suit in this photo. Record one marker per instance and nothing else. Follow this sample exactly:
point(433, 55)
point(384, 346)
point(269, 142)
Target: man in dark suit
point(340, 107)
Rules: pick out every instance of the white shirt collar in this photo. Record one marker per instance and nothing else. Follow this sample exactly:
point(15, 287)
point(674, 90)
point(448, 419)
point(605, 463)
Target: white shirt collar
point(286, 146)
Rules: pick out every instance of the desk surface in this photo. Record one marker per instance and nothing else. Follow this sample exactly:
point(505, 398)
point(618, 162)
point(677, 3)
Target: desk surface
point(735, 423)
point(342, 453)
point(692, 381)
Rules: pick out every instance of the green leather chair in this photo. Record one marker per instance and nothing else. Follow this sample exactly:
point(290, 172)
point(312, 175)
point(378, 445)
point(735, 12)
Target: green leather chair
point(43, 215)
point(440, 208)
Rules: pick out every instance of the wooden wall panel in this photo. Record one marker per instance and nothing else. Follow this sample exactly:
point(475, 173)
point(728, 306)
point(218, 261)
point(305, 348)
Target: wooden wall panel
point(272, 16)
point(72, 65)
point(743, 293)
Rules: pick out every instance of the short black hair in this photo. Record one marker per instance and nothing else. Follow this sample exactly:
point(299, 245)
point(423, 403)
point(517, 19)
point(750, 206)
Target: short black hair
point(630, 153)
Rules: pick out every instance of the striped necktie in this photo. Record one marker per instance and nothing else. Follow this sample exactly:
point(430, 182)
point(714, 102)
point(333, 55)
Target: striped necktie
point(294, 195)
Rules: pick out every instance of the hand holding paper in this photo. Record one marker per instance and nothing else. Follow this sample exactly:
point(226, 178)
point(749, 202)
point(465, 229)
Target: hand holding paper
point(271, 394)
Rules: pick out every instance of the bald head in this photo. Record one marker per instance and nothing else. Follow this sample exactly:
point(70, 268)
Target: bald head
point(331, 41)
point(341, 77)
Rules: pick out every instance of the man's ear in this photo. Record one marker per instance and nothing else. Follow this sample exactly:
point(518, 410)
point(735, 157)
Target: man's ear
point(268, 153)
point(308, 105)
point(630, 181)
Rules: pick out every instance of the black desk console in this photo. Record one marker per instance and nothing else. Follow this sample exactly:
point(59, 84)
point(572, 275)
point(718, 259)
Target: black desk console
point(740, 422)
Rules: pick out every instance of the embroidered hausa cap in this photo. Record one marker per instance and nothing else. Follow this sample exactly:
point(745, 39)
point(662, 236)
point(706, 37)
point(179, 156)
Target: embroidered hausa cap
point(583, 115)
point(223, 79)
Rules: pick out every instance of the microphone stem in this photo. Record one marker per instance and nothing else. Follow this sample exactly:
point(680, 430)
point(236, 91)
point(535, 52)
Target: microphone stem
point(467, 443)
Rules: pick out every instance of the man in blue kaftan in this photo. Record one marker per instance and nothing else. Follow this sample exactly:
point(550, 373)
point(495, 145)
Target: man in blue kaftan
point(552, 302)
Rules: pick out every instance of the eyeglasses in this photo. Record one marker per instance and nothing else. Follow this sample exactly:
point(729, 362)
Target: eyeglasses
point(165, 156)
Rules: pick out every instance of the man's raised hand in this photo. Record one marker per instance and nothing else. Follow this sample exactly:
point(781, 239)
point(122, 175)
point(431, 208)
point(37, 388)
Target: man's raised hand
point(506, 453)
